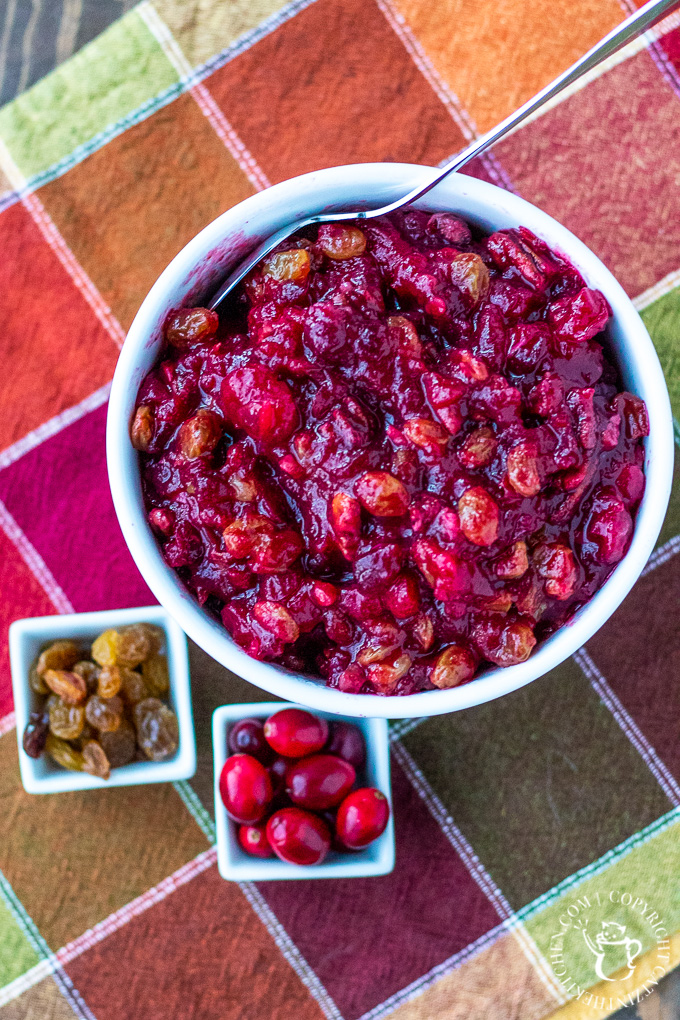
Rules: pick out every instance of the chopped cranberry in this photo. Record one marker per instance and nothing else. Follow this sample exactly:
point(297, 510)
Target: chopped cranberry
point(362, 817)
point(259, 403)
point(579, 317)
point(610, 527)
point(245, 788)
point(292, 732)
point(298, 837)
point(401, 454)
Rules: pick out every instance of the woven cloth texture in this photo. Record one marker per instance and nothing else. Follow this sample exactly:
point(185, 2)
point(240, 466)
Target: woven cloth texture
point(525, 828)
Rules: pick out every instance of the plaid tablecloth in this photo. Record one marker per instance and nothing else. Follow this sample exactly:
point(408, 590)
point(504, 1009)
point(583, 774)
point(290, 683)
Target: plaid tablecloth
point(527, 829)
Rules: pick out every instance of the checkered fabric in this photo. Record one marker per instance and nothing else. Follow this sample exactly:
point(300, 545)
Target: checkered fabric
point(508, 816)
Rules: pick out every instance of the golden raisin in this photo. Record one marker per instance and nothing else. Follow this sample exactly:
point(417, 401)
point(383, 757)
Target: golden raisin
point(555, 562)
point(156, 675)
point(478, 448)
point(142, 428)
point(275, 618)
point(70, 687)
point(105, 714)
point(199, 435)
point(522, 469)
point(423, 631)
point(157, 729)
point(109, 682)
point(95, 761)
point(454, 666)
point(429, 435)
point(409, 341)
point(385, 675)
point(287, 265)
point(186, 326)
point(135, 643)
point(242, 486)
point(36, 682)
point(134, 688)
point(469, 273)
point(382, 494)
point(513, 563)
point(89, 672)
point(58, 655)
point(63, 754)
point(65, 721)
point(479, 516)
point(105, 648)
point(119, 745)
point(340, 243)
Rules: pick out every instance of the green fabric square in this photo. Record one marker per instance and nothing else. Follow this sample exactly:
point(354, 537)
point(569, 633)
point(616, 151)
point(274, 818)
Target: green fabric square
point(17, 955)
point(671, 524)
point(103, 83)
point(535, 781)
point(662, 319)
point(638, 892)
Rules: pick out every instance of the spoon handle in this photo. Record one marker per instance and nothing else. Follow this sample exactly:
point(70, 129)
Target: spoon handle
point(633, 26)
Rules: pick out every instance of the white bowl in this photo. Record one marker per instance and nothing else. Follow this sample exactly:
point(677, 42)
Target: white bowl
point(236, 865)
point(191, 277)
point(28, 637)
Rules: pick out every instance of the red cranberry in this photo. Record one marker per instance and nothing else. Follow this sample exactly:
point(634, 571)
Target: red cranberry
point(320, 781)
point(245, 788)
point(247, 737)
point(347, 741)
point(253, 839)
point(293, 732)
point(277, 774)
point(298, 836)
point(362, 817)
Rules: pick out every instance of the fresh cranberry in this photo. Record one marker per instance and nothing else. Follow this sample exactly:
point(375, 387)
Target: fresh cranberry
point(347, 741)
point(245, 788)
point(253, 839)
point(294, 733)
point(320, 781)
point(246, 736)
point(277, 774)
point(362, 817)
point(298, 836)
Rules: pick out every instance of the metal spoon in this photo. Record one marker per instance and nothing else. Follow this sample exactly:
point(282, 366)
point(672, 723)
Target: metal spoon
point(633, 26)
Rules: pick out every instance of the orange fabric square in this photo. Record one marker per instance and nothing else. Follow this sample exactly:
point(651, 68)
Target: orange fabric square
point(20, 596)
point(129, 208)
point(495, 56)
point(54, 349)
point(333, 85)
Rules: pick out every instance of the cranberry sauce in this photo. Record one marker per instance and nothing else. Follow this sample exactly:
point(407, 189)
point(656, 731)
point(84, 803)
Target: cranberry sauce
point(401, 456)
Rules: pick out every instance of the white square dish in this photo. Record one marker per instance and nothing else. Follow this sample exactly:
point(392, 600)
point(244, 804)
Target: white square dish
point(28, 637)
point(236, 865)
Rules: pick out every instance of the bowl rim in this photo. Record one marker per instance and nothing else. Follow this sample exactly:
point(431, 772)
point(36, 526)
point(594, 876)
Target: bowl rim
point(235, 865)
point(24, 637)
point(220, 240)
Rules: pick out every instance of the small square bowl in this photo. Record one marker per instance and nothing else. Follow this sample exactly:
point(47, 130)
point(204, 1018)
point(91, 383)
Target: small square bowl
point(237, 866)
point(28, 637)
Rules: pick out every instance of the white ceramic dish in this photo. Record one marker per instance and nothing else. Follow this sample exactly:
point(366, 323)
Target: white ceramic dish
point(28, 637)
point(193, 274)
point(236, 865)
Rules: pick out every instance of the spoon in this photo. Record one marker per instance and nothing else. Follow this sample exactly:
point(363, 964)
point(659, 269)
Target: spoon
point(633, 26)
